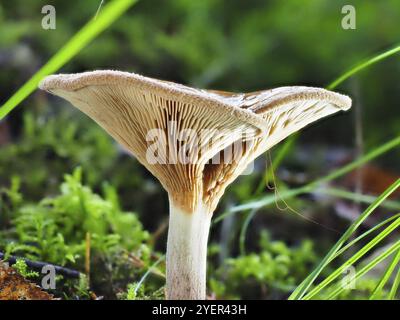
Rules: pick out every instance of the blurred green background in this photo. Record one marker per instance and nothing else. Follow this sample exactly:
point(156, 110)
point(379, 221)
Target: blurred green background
point(228, 45)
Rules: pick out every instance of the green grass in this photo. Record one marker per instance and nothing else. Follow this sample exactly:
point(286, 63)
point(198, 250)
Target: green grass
point(386, 276)
point(349, 262)
point(364, 235)
point(356, 197)
point(146, 274)
point(339, 288)
point(301, 290)
point(84, 36)
point(395, 286)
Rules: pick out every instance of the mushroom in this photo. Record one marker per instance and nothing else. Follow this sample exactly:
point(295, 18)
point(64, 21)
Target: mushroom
point(195, 142)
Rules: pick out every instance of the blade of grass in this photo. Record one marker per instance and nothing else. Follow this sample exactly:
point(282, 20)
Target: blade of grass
point(395, 286)
point(93, 28)
point(365, 234)
point(305, 285)
point(368, 267)
point(358, 255)
point(146, 274)
point(243, 231)
point(363, 198)
point(257, 204)
point(386, 276)
point(363, 65)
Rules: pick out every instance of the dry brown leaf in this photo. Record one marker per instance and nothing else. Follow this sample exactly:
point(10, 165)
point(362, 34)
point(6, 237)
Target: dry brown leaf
point(13, 286)
point(375, 180)
point(4, 133)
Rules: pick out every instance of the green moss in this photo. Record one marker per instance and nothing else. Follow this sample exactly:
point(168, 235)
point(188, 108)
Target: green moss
point(272, 272)
point(55, 230)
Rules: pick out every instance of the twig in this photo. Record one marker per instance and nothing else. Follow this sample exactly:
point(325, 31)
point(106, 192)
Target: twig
point(359, 141)
point(38, 265)
point(87, 256)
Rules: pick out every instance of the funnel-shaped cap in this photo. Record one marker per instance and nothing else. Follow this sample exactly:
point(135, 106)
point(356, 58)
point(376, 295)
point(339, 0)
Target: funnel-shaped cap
point(194, 141)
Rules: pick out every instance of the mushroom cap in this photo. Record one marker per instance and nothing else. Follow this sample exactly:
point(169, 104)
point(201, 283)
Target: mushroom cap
point(163, 89)
point(129, 106)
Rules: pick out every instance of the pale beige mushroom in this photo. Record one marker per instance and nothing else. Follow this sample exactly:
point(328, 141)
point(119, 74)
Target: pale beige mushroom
point(178, 133)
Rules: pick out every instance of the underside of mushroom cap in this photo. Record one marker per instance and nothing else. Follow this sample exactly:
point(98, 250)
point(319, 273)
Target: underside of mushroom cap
point(171, 122)
point(164, 89)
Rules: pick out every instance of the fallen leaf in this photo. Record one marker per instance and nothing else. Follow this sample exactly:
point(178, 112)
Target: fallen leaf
point(14, 286)
point(374, 179)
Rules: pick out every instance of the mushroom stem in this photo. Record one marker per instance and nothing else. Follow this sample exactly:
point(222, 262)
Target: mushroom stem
point(187, 253)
